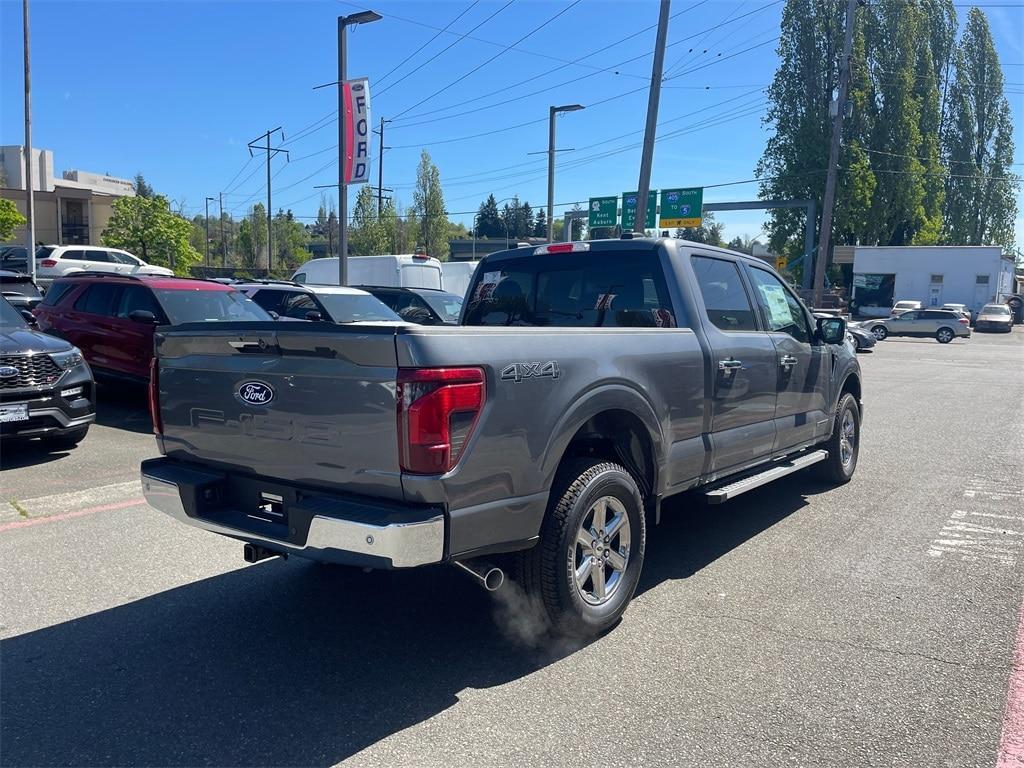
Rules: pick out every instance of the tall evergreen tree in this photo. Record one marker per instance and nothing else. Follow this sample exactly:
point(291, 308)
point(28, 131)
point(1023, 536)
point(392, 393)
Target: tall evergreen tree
point(142, 188)
point(524, 221)
point(488, 219)
point(540, 228)
point(980, 205)
point(428, 199)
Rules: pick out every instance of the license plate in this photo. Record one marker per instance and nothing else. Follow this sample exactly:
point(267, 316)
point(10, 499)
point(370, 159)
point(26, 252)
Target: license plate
point(13, 412)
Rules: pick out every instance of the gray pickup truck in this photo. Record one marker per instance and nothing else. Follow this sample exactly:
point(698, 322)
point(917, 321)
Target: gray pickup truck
point(586, 383)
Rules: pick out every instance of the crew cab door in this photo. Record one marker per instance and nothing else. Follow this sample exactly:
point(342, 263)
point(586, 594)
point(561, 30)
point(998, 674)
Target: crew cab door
point(743, 367)
point(804, 364)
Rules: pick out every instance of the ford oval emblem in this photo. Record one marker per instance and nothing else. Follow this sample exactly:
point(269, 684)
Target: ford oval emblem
point(8, 372)
point(255, 393)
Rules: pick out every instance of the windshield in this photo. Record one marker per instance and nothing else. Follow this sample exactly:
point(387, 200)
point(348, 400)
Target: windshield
point(995, 309)
point(9, 316)
point(351, 308)
point(448, 306)
point(198, 306)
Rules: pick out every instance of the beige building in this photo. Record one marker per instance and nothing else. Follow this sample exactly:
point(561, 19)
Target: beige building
point(72, 209)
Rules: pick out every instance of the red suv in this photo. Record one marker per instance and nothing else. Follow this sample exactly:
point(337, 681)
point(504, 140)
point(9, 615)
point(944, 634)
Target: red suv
point(111, 317)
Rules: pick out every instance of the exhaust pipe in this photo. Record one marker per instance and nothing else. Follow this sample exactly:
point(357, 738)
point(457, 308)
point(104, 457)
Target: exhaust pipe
point(253, 553)
point(490, 577)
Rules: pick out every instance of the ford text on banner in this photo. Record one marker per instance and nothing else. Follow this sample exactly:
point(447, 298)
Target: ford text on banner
point(357, 131)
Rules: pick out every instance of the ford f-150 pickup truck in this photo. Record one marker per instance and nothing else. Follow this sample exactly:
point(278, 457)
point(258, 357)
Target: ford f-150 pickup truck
point(585, 383)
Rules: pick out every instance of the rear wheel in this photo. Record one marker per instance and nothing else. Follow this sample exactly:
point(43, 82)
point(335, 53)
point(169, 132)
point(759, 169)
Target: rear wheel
point(880, 332)
point(591, 551)
point(844, 445)
point(944, 335)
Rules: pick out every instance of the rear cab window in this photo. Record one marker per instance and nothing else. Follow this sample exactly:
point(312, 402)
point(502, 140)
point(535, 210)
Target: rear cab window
point(589, 289)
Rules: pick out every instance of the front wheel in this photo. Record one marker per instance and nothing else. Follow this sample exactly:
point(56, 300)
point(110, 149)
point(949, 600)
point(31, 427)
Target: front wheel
point(944, 335)
point(844, 445)
point(587, 564)
point(880, 332)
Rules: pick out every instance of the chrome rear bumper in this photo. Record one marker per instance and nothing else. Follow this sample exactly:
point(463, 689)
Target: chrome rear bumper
point(329, 538)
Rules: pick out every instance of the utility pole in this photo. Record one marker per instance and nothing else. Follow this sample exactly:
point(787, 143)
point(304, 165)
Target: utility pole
point(223, 244)
point(380, 169)
point(271, 151)
point(653, 99)
point(30, 202)
point(208, 199)
point(828, 204)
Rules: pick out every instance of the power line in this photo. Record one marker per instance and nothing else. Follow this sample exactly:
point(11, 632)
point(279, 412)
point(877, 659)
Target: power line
point(502, 52)
point(439, 32)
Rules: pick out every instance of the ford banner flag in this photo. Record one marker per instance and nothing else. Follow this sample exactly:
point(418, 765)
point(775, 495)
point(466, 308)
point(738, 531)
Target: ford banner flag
point(357, 131)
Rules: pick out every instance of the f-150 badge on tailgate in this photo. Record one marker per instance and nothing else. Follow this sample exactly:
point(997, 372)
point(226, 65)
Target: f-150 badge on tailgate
point(255, 393)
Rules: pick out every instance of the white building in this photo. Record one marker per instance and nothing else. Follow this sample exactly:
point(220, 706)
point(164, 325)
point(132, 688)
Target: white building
point(72, 208)
point(969, 274)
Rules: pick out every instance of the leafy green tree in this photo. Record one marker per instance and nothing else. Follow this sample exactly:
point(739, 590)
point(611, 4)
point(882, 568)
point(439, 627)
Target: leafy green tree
point(290, 242)
point(245, 249)
point(148, 228)
point(709, 232)
point(428, 200)
point(488, 219)
point(10, 219)
point(367, 233)
point(258, 215)
point(980, 204)
point(142, 189)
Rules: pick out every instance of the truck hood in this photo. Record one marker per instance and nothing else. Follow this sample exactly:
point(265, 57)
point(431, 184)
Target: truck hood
point(21, 341)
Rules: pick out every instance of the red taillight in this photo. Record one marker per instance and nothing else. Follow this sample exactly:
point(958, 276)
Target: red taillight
point(154, 397)
point(965, 321)
point(437, 410)
point(48, 263)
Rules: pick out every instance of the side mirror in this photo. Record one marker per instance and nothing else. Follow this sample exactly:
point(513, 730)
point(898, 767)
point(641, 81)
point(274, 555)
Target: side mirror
point(142, 316)
point(832, 330)
point(313, 316)
point(29, 317)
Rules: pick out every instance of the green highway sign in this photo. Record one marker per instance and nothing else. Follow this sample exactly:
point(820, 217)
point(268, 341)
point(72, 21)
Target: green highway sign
point(681, 207)
point(604, 212)
point(629, 210)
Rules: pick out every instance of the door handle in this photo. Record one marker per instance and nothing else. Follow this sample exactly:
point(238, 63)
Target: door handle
point(787, 361)
point(730, 365)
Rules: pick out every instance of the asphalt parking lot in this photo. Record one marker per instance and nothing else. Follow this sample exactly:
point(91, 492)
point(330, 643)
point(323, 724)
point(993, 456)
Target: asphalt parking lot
point(874, 624)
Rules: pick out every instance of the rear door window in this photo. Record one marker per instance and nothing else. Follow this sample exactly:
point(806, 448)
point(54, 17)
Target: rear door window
point(725, 298)
point(603, 289)
point(298, 305)
point(97, 256)
point(270, 300)
point(98, 299)
point(74, 255)
point(136, 297)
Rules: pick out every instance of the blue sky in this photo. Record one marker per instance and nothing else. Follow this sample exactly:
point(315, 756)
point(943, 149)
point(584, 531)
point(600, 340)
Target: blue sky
point(176, 90)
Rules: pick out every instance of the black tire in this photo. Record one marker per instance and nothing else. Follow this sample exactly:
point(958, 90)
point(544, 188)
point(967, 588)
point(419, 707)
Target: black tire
point(856, 343)
point(68, 440)
point(945, 335)
point(834, 469)
point(880, 332)
point(548, 570)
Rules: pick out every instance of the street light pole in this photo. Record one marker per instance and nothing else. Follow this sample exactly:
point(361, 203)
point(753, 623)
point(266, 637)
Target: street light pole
point(208, 229)
point(552, 111)
point(363, 17)
point(30, 202)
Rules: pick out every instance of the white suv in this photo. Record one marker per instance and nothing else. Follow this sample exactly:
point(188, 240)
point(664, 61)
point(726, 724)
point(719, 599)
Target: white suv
point(67, 259)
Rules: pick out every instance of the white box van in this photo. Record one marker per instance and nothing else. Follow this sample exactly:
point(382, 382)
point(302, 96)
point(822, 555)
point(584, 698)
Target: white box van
point(458, 275)
point(403, 271)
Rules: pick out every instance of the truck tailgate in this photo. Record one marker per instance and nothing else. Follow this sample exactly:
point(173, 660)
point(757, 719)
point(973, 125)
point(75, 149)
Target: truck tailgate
point(313, 403)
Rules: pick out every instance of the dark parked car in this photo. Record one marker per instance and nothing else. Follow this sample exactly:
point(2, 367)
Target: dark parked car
point(425, 306)
point(111, 317)
point(586, 383)
point(46, 387)
point(14, 259)
point(994, 317)
point(19, 289)
point(332, 303)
